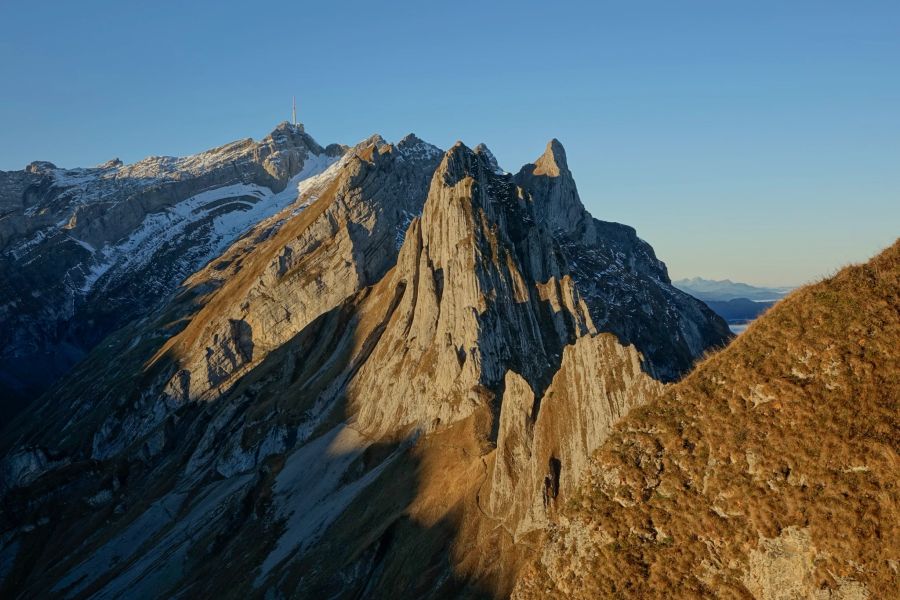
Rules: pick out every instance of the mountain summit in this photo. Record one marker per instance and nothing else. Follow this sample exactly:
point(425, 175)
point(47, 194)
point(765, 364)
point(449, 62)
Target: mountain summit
point(85, 251)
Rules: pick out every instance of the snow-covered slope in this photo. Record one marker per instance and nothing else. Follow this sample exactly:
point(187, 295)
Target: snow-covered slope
point(212, 219)
point(84, 251)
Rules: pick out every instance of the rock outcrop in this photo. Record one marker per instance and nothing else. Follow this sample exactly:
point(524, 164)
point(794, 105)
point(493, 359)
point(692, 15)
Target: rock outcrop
point(546, 447)
point(626, 288)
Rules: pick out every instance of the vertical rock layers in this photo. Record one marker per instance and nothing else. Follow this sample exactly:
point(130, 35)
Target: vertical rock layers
point(388, 387)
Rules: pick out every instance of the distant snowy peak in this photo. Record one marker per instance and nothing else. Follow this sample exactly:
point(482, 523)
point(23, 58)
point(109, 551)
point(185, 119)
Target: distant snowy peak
point(211, 220)
point(40, 167)
point(111, 164)
point(282, 153)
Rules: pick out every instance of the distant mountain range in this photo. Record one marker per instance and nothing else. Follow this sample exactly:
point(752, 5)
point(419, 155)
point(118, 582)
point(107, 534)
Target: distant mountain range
point(725, 290)
point(736, 302)
point(738, 310)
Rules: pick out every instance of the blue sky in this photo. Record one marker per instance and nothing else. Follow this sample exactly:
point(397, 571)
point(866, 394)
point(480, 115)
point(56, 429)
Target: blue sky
point(756, 140)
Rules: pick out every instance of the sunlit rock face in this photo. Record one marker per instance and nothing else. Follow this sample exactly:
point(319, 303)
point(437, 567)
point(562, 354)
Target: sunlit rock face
point(626, 288)
point(389, 385)
point(545, 447)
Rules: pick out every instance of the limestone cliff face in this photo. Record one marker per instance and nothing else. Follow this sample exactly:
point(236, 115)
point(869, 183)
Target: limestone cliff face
point(346, 239)
point(626, 288)
point(543, 449)
point(398, 377)
point(475, 302)
point(555, 197)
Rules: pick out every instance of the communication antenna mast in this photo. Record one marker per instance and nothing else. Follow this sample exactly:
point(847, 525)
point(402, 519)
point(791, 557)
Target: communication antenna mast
point(294, 111)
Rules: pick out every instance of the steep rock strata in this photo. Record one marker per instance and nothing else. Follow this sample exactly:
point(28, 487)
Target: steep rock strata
point(327, 405)
point(626, 288)
point(302, 263)
point(541, 458)
point(471, 308)
point(346, 239)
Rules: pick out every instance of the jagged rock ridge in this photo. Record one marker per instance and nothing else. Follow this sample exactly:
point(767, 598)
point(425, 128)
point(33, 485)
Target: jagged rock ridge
point(626, 287)
point(328, 404)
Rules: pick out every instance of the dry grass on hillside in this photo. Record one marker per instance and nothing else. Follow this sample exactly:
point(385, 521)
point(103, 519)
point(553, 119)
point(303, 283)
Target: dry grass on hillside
point(771, 471)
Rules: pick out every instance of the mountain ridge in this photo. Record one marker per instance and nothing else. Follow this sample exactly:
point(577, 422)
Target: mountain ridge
point(82, 251)
point(322, 359)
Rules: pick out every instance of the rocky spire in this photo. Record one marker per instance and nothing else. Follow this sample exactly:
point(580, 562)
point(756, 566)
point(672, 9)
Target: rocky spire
point(466, 304)
point(552, 162)
point(554, 195)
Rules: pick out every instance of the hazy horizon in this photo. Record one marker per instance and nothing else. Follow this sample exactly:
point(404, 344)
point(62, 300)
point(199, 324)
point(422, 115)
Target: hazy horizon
point(757, 144)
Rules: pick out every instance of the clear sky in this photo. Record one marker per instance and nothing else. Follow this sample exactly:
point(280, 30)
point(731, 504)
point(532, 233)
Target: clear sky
point(756, 140)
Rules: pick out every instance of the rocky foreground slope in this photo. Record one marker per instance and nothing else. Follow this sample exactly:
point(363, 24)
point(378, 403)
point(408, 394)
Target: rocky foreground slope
point(770, 472)
point(386, 389)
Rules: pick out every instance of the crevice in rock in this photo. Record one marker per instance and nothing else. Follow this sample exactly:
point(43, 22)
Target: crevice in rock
point(551, 481)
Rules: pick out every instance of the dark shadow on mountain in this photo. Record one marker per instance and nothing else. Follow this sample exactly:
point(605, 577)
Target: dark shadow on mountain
point(626, 287)
point(51, 324)
point(373, 549)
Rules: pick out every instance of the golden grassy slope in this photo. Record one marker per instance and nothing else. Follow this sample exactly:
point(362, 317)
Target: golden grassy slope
point(771, 471)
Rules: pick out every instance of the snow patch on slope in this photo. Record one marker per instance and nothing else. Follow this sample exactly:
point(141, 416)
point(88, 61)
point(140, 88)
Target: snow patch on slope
point(248, 203)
